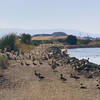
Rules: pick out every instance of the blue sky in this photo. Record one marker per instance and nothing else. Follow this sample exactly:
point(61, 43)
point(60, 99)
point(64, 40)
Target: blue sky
point(50, 14)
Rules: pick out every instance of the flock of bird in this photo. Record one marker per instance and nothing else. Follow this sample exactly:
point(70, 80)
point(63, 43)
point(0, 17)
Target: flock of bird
point(73, 62)
point(63, 79)
point(42, 77)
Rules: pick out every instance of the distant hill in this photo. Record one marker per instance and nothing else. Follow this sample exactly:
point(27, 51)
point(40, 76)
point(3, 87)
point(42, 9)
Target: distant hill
point(33, 32)
point(53, 34)
point(48, 37)
point(42, 35)
point(59, 34)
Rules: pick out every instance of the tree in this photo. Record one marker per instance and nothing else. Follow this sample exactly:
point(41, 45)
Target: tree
point(26, 38)
point(8, 42)
point(72, 40)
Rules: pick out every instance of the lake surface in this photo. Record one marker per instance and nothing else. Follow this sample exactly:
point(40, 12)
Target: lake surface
point(80, 53)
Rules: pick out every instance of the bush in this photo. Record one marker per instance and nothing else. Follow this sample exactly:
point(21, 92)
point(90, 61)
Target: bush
point(61, 40)
point(25, 47)
point(3, 62)
point(38, 42)
point(26, 38)
point(8, 42)
point(72, 40)
point(84, 41)
point(48, 41)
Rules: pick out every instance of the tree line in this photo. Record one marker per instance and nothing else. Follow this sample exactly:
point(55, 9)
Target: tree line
point(9, 41)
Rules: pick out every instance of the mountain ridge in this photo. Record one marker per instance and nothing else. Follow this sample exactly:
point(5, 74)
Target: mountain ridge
point(4, 31)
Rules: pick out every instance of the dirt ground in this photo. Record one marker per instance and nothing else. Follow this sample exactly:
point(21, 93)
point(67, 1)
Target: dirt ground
point(24, 85)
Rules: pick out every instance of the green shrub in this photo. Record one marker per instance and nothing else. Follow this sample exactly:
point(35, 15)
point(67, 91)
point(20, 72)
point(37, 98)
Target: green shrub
point(72, 40)
point(26, 38)
point(61, 40)
point(84, 41)
point(3, 62)
point(38, 42)
point(48, 41)
point(8, 42)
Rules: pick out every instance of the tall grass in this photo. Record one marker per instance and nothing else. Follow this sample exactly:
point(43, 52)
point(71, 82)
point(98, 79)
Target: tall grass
point(24, 47)
point(3, 62)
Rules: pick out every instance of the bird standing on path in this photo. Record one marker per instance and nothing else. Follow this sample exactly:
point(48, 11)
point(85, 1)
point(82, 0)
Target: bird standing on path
point(82, 86)
point(39, 75)
point(36, 74)
point(74, 76)
point(62, 78)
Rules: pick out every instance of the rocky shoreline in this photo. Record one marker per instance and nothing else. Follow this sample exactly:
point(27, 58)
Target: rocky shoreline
point(81, 66)
point(82, 46)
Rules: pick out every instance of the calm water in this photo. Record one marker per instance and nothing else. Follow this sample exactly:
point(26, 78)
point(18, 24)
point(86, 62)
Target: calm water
point(80, 53)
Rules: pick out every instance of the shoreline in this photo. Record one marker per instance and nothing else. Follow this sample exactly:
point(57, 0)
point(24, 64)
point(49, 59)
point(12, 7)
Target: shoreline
point(82, 46)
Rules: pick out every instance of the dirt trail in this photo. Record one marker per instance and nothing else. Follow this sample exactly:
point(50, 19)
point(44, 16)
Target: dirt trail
point(51, 88)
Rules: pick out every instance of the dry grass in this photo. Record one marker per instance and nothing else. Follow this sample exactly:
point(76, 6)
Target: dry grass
point(3, 62)
point(25, 47)
point(94, 43)
point(51, 88)
point(48, 37)
point(42, 38)
point(61, 37)
point(52, 91)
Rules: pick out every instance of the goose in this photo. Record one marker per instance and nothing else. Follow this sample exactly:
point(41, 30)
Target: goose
point(40, 62)
point(74, 76)
point(27, 64)
point(40, 76)
point(34, 63)
point(36, 74)
point(88, 59)
point(82, 86)
point(90, 76)
point(62, 78)
point(22, 63)
point(1, 75)
point(98, 86)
